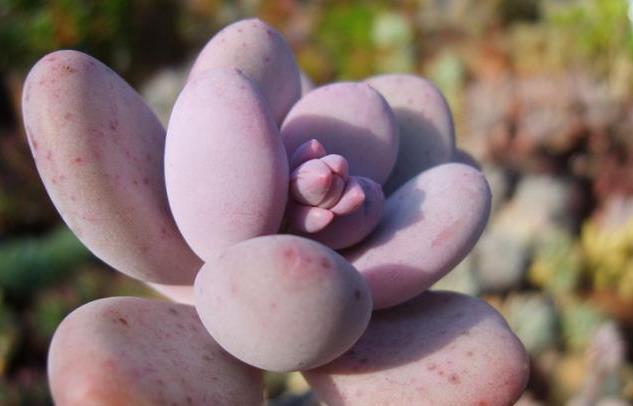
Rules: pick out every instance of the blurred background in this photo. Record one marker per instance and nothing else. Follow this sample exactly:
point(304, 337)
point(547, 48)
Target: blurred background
point(542, 94)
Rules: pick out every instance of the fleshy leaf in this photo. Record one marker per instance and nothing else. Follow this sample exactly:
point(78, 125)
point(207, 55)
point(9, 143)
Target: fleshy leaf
point(99, 151)
point(429, 225)
point(439, 349)
point(427, 136)
point(175, 293)
point(306, 83)
point(349, 119)
point(350, 228)
point(225, 166)
point(132, 351)
point(282, 302)
point(261, 54)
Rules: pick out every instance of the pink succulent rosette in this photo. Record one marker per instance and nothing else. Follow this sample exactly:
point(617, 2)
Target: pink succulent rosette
point(300, 228)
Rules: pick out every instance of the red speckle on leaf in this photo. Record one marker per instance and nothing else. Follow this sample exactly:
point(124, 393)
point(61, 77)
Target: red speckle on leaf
point(36, 145)
point(68, 116)
point(78, 160)
point(96, 132)
point(325, 263)
point(431, 367)
point(289, 253)
point(145, 181)
point(454, 379)
point(447, 233)
point(49, 155)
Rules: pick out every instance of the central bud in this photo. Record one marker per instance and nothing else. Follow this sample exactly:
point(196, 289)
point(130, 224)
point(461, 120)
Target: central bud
point(322, 192)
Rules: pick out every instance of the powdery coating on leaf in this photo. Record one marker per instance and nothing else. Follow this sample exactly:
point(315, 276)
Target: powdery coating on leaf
point(349, 119)
point(306, 83)
point(175, 293)
point(283, 303)
point(262, 54)
point(427, 136)
point(99, 151)
point(439, 349)
point(225, 166)
point(429, 225)
point(132, 351)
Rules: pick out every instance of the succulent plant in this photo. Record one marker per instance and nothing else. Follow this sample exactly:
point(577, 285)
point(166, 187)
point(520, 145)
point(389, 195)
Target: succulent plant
point(557, 264)
point(533, 317)
point(271, 205)
point(607, 240)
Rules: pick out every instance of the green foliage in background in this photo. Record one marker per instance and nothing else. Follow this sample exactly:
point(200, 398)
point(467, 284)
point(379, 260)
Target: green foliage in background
point(31, 263)
point(364, 38)
point(30, 28)
point(345, 33)
point(595, 28)
point(131, 36)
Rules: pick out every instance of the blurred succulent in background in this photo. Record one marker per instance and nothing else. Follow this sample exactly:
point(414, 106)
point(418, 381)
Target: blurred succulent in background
point(247, 156)
point(557, 266)
point(533, 318)
point(607, 241)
